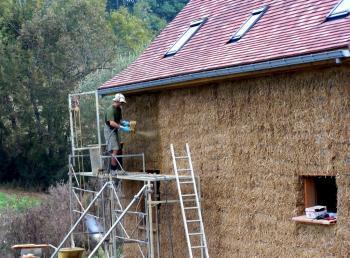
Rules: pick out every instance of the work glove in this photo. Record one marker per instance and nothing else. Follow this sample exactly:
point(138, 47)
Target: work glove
point(125, 129)
point(125, 123)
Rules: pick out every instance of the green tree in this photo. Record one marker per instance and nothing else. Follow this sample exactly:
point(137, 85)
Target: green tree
point(48, 47)
point(167, 9)
point(143, 11)
point(132, 35)
point(164, 9)
point(112, 5)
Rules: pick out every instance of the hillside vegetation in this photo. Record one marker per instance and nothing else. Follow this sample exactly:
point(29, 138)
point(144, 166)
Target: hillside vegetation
point(49, 48)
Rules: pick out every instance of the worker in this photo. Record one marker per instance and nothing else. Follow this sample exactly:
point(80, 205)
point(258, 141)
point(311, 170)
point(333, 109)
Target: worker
point(114, 124)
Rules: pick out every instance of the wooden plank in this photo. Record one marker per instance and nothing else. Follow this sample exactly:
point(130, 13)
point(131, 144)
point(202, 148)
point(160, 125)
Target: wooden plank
point(304, 219)
point(136, 176)
point(309, 192)
point(29, 246)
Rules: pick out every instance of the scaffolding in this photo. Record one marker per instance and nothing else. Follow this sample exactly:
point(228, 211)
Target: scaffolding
point(104, 219)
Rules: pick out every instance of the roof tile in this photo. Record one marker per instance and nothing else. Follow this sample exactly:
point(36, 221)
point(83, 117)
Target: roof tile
point(288, 28)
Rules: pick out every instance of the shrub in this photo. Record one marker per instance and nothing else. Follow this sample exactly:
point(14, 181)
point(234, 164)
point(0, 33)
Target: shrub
point(46, 223)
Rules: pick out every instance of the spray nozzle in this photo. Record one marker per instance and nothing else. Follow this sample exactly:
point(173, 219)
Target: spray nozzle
point(133, 127)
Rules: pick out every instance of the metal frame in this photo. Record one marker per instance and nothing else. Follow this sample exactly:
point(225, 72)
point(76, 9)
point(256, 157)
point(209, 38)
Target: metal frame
point(259, 13)
point(79, 220)
point(117, 221)
point(104, 197)
point(192, 184)
point(152, 243)
point(72, 131)
point(115, 213)
point(332, 16)
point(77, 189)
point(198, 24)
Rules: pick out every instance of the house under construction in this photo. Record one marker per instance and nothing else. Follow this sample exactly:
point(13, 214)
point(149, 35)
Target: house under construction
point(260, 90)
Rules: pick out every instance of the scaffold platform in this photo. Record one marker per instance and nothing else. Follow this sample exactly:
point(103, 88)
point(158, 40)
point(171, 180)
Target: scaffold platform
point(136, 176)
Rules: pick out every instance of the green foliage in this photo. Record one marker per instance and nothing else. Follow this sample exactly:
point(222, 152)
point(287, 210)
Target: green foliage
point(112, 5)
point(143, 11)
point(17, 203)
point(97, 78)
point(49, 48)
point(48, 222)
point(164, 9)
point(167, 9)
point(131, 33)
point(154, 14)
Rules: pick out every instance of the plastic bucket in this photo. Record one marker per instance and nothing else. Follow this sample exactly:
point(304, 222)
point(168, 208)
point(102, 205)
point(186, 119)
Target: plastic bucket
point(75, 252)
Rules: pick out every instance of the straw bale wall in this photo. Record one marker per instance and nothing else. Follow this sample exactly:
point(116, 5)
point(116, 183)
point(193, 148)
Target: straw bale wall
point(251, 140)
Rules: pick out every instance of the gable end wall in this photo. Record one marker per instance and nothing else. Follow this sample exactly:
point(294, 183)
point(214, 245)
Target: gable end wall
point(251, 140)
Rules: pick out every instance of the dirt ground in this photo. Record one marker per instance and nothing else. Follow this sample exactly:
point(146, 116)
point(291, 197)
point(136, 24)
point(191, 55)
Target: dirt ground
point(21, 192)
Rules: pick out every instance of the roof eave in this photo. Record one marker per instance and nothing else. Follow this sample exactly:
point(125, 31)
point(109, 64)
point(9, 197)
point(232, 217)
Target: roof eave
point(224, 72)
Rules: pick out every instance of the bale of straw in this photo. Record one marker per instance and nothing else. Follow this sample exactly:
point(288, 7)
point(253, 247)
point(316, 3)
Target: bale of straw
point(251, 141)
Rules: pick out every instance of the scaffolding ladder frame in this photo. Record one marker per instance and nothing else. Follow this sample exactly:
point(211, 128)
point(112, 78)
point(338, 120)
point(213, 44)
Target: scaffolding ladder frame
point(203, 246)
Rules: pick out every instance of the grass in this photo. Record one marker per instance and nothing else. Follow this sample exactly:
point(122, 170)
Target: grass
point(17, 202)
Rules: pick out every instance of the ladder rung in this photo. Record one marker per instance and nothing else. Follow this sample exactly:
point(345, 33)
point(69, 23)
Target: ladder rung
point(193, 221)
point(190, 208)
point(190, 200)
point(183, 169)
point(195, 234)
point(186, 182)
point(196, 247)
point(187, 195)
point(181, 157)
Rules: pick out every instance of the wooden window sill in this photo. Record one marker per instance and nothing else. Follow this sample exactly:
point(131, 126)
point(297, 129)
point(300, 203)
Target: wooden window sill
point(303, 219)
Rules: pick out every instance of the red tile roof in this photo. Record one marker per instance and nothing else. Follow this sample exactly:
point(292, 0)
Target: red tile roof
point(288, 28)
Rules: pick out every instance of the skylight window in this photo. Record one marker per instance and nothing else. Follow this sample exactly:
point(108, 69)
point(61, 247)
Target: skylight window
point(340, 10)
point(248, 24)
point(189, 33)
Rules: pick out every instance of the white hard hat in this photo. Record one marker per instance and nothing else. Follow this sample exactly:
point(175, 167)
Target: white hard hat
point(119, 98)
